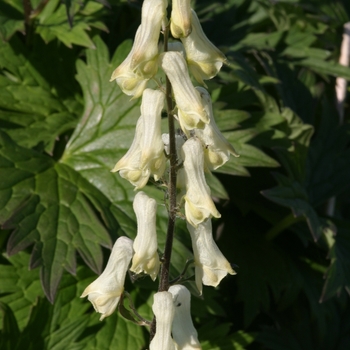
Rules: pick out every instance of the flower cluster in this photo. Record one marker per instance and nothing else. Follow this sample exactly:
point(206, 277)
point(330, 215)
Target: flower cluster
point(200, 147)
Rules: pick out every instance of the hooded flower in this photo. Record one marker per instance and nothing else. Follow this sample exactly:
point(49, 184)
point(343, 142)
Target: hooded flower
point(198, 203)
point(180, 22)
point(163, 310)
point(131, 81)
point(152, 147)
point(217, 148)
point(210, 264)
point(142, 62)
point(204, 59)
point(184, 333)
point(191, 112)
point(104, 293)
point(145, 156)
point(145, 245)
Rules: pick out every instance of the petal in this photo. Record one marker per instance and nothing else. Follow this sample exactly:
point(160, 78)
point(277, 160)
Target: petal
point(145, 245)
point(180, 24)
point(152, 146)
point(187, 98)
point(104, 293)
point(204, 59)
point(146, 47)
point(210, 263)
point(184, 333)
point(198, 203)
point(218, 149)
point(163, 310)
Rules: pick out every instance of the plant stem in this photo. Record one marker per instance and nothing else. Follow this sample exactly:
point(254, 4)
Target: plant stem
point(164, 273)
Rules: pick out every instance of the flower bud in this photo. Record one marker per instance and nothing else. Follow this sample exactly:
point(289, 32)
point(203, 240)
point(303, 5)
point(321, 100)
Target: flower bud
point(184, 333)
point(146, 257)
point(210, 264)
point(204, 59)
point(163, 310)
point(104, 293)
point(180, 21)
point(217, 148)
point(191, 112)
point(198, 203)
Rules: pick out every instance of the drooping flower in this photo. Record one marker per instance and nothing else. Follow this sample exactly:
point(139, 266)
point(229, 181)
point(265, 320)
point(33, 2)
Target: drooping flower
point(180, 21)
point(131, 81)
point(152, 147)
point(191, 112)
point(142, 62)
point(146, 51)
point(210, 264)
point(128, 166)
point(104, 293)
point(198, 203)
point(204, 58)
point(163, 309)
point(217, 148)
point(146, 258)
point(184, 333)
point(145, 156)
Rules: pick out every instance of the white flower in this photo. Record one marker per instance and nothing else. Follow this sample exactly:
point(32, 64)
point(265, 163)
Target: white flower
point(191, 112)
point(146, 258)
point(180, 24)
point(184, 333)
point(198, 203)
point(204, 59)
point(152, 147)
point(104, 293)
point(145, 155)
point(217, 148)
point(131, 81)
point(142, 62)
point(145, 53)
point(163, 310)
point(210, 264)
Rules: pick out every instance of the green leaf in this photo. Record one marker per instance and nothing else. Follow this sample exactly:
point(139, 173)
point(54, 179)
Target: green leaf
point(338, 274)
point(290, 193)
point(19, 287)
point(45, 205)
point(216, 187)
point(53, 23)
point(116, 333)
point(250, 156)
point(11, 19)
point(10, 332)
point(37, 103)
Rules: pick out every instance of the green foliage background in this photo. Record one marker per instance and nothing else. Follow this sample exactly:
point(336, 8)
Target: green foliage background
point(64, 126)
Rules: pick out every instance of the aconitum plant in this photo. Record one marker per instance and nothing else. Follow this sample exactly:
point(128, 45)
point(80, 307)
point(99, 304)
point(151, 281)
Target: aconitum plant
point(177, 161)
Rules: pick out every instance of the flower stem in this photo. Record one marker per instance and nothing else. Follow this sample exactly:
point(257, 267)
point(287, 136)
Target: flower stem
point(164, 273)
